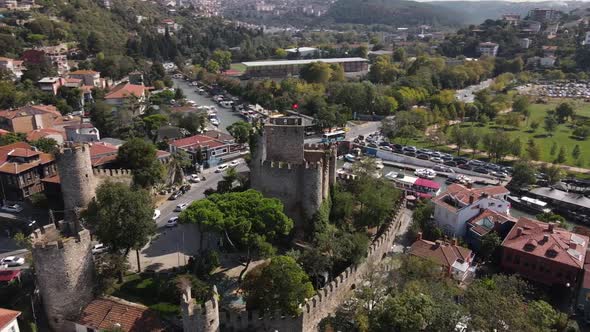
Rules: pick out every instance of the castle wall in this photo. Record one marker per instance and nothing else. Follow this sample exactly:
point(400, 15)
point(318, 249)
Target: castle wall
point(114, 175)
point(325, 302)
point(312, 188)
point(64, 271)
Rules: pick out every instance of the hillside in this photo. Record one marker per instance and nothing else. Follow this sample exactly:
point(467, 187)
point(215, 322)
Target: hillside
point(393, 12)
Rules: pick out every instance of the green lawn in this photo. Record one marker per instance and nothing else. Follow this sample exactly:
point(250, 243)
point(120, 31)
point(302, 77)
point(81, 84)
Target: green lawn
point(158, 294)
point(561, 136)
point(238, 66)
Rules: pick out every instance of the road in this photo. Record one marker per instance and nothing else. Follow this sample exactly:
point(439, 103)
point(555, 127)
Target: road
point(172, 247)
point(225, 116)
point(467, 95)
point(354, 131)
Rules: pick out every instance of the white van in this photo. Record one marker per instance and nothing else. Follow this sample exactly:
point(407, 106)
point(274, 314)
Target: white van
point(226, 104)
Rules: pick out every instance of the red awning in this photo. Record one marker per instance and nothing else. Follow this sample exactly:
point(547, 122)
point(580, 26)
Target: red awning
point(9, 275)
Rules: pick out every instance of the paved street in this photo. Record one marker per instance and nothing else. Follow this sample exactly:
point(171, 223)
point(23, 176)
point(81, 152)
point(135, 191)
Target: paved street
point(353, 131)
point(225, 116)
point(172, 246)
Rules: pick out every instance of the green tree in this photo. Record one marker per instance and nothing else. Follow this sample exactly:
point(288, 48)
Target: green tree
point(534, 125)
point(582, 132)
point(458, 138)
point(193, 122)
point(521, 104)
point(212, 66)
point(152, 123)
point(489, 245)
point(563, 112)
point(576, 152)
point(550, 124)
point(141, 157)
point(523, 175)
point(246, 220)
point(533, 150)
point(472, 137)
point(553, 149)
point(561, 156)
point(316, 72)
point(241, 131)
point(554, 174)
point(46, 144)
point(121, 217)
point(281, 285)
point(408, 311)
point(223, 58)
point(10, 138)
point(101, 115)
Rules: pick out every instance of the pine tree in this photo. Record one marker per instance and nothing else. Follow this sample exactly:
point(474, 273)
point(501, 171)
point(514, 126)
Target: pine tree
point(561, 158)
point(576, 151)
point(553, 149)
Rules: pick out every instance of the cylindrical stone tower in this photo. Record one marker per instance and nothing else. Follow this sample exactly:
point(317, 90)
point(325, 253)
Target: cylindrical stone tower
point(77, 180)
point(64, 272)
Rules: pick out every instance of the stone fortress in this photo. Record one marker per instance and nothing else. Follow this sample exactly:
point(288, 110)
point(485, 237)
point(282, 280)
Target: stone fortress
point(298, 174)
point(64, 267)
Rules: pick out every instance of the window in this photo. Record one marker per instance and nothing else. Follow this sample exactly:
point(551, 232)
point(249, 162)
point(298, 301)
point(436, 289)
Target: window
point(516, 260)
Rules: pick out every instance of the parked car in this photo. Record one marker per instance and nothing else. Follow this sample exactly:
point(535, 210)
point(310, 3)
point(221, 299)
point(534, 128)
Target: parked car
point(99, 249)
point(499, 174)
point(172, 222)
point(461, 160)
point(386, 148)
point(423, 156)
point(156, 214)
point(450, 163)
point(185, 188)
point(14, 208)
point(234, 163)
point(398, 147)
point(481, 170)
point(180, 207)
point(221, 168)
point(477, 163)
point(441, 168)
point(464, 166)
point(446, 157)
point(12, 261)
point(410, 149)
point(175, 195)
point(410, 154)
point(436, 160)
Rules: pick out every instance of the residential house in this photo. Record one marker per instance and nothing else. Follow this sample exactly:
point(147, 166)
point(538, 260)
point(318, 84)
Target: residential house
point(8, 322)
point(102, 154)
point(544, 253)
point(111, 313)
point(56, 55)
point(51, 84)
point(57, 135)
point(88, 77)
point(544, 14)
point(486, 222)
point(511, 19)
point(121, 94)
point(82, 132)
point(171, 24)
point(455, 261)
point(488, 49)
point(28, 118)
point(459, 204)
point(525, 43)
point(206, 148)
point(583, 302)
point(15, 67)
point(22, 169)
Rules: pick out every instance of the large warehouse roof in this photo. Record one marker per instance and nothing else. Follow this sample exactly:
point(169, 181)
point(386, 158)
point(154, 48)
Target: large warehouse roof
point(300, 62)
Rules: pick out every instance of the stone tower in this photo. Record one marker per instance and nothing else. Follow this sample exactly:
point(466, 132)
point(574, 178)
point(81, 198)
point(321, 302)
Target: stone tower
point(286, 168)
point(77, 180)
point(64, 271)
point(204, 318)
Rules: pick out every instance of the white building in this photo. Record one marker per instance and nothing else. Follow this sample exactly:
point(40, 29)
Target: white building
point(13, 66)
point(586, 40)
point(303, 51)
point(488, 49)
point(8, 322)
point(525, 43)
point(83, 132)
point(456, 206)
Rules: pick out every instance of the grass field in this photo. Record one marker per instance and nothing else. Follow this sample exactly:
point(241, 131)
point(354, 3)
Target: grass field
point(241, 68)
point(562, 135)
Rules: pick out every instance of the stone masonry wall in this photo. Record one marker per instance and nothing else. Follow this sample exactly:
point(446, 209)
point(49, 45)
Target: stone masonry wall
point(324, 303)
point(284, 142)
point(64, 271)
point(76, 177)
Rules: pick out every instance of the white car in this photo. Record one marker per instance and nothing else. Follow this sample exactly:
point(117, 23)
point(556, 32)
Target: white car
point(173, 222)
point(14, 208)
point(181, 207)
point(156, 214)
point(221, 168)
point(99, 249)
point(12, 261)
point(195, 178)
point(234, 163)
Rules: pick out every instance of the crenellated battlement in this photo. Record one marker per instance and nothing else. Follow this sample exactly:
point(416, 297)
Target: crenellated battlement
point(51, 237)
point(313, 165)
point(315, 146)
point(278, 164)
point(70, 148)
point(111, 172)
point(286, 121)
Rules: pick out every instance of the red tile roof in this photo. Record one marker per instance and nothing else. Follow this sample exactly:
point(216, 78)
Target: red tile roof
point(547, 241)
point(488, 220)
point(462, 194)
point(219, 135)
point(53, 179)
point(197, 141)
point(23, 152)
point(7, 316)
point(441, 253)
point(105, 313)
point(29, 111)
point(21, 149)
point(102, 153)
point(36, 134)
point(6, 149)
point(125, 90)
point(84, 72)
